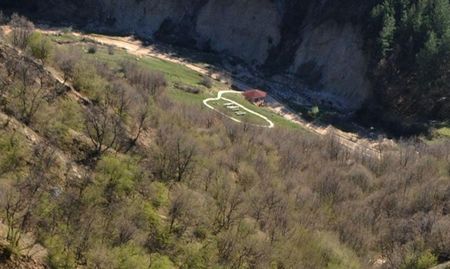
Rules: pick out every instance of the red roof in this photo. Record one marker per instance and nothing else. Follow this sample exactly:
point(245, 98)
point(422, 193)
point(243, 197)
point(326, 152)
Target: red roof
point(254, 94)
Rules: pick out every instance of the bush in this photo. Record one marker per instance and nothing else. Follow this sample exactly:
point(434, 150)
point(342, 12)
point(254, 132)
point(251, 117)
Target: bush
point(161, 262)
point(87, 80)
point(188, 88)
point(424, 260)
point(117, 175)
point(40, 46)
point(160, 194)
point(57, 121)
point(207, 82)
point(111, 50)
point(13, 153)
point(92, 49)
point(131, 256)
point(66, 60)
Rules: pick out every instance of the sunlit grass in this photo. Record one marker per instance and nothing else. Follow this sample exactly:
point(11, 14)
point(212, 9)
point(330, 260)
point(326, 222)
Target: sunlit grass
point(175, 73)
point(444, 131)
point(247, 118)
point(278, 120)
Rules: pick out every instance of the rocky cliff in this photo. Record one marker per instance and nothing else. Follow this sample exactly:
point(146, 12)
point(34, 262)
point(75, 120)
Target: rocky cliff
point(318, 42)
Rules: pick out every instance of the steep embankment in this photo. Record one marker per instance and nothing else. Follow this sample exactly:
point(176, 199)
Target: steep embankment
point(317, 42)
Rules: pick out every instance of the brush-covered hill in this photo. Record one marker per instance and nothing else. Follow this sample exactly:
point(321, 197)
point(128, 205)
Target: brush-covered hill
point(112, 161)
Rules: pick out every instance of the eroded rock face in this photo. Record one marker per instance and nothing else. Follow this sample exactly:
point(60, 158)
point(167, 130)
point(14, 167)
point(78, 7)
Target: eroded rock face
point(320, 42)
point(246, 29)
point(143, 17)
point(331, 57)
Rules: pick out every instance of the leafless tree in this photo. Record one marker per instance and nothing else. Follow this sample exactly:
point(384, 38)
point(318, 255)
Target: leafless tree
point(102, 128)
point(151, 82)
point(22, 29)
point(22, 198)
point(66, 60)
point(28, 97)
point(229, 200)
point(186, 209)
point(174, 158)
point(140, 114)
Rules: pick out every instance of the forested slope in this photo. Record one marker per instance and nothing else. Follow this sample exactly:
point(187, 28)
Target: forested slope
point(386, 58)
point(409, 44)
point(115, 170)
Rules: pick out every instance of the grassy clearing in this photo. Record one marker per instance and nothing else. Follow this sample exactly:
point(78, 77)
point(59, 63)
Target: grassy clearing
point(188, 98)
point(278, 120)
point(247, 118)
point(176, 73)
point(65, 38)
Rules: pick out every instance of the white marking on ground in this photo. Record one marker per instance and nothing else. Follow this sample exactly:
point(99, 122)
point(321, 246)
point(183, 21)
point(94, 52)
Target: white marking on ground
point(219, 96)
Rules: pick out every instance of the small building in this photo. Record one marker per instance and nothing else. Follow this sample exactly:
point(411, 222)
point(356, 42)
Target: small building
point(255, 96)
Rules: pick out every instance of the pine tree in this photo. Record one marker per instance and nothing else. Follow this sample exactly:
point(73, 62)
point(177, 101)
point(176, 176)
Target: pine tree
point(387, 34)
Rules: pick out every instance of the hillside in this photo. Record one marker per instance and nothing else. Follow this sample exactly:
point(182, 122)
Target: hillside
point(318, 43)
point(370, 57)
point(116, 160)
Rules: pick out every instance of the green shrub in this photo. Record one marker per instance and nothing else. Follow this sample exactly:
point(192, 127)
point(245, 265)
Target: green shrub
point(131, 256)
point(92, 49)
point(159, 194)
point(88, 81)
point(115, 178)
point(13, 153)
point(161, 262)
point(40, 46)
point(424, 260)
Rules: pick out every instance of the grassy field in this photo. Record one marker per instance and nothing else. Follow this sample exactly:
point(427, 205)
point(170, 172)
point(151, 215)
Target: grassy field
point(65, 38)
point(278, 120)
point(247, 118)
point(175, 73)
point(188, 98)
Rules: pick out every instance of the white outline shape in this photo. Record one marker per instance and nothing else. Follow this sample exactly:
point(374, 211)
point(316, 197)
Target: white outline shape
point(219, 96)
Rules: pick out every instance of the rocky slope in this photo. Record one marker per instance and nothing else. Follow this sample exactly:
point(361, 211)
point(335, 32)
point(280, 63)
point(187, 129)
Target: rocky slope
point(318, 42)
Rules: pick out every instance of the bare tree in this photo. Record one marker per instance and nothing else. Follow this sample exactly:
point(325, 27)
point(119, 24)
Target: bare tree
point(28, 97)
point(140, 113)
point(175, 157)
point(240, 246)
point(186, 209)
point(153, 83)
point(66, 60)
point(22, 29)
point(229, 201)
point(21, 200)
point(102, 127)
